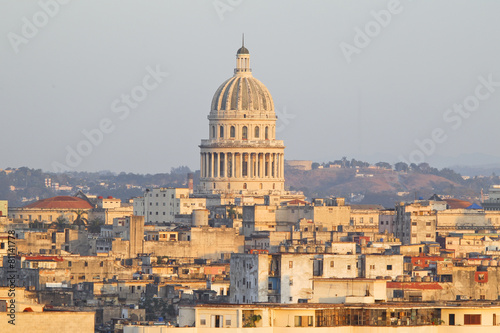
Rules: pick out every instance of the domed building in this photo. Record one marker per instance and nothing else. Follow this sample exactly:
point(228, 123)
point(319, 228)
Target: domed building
point(50, 209)
point(242, 154)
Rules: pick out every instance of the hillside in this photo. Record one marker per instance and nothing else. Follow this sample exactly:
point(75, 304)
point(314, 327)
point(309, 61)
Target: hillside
point(369, 185)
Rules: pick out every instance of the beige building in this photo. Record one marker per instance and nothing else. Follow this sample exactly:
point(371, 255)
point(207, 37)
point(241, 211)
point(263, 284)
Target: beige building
point(4, 207)
point(110, 208)
point(161, 205)
point(48, 210)
point(242, 154)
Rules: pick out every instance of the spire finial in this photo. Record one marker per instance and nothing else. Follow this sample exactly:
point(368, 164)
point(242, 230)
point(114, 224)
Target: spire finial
point(243, 40)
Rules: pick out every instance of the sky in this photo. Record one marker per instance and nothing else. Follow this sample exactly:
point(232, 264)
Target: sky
point(126, 85)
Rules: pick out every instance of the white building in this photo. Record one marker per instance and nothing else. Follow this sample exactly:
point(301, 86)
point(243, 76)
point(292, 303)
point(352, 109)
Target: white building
point(161, 205)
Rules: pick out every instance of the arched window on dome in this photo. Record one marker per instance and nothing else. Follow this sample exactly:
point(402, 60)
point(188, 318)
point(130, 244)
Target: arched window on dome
point(232, 132)
point(221, 132)
point(244, 133)
point(257, 132)
point(267, 133)
point(213, 132)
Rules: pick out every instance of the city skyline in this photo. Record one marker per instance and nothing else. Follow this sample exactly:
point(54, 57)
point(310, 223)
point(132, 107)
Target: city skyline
point(376, 81)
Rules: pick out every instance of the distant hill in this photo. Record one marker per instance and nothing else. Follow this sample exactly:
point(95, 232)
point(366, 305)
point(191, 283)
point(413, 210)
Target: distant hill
point(369, 185)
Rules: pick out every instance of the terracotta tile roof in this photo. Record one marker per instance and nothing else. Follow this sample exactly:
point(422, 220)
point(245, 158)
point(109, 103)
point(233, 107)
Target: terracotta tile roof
point(43, 258)
point(414, 285)
point(456, 203)
point(61, 202)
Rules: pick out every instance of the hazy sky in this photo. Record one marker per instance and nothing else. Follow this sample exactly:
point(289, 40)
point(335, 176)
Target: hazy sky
point(363, 79)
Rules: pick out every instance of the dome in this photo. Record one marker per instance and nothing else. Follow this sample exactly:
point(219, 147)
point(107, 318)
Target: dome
point(243, 50)
point(244, 93)
point(60, 202)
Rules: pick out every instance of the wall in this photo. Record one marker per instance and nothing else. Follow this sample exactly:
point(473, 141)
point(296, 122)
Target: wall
point(49, 322)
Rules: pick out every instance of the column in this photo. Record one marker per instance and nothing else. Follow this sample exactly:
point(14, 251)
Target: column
point(216, 165)
point(211, 157)
point(283, 165)
point(201, 164)
point(233, 160)
point(277, 165)
point(240, 164)
point(221, 164)
point(268, 159)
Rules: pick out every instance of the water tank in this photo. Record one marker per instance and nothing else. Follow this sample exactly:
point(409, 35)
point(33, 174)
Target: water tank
point(493, 262)
point(200, 217)
point(300, 249)
point(310, 249)
point(282, 248)
point(328, 249)
point(399, 278)
point(427, 279)
point(320, 249)
point(418, 278)
point(407, 278)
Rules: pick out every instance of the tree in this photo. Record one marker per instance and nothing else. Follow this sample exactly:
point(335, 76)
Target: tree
point(315, 165)
point(60, 223)
point(384, 165)
point(401, 166)
point(80, 220)
point(94, 226)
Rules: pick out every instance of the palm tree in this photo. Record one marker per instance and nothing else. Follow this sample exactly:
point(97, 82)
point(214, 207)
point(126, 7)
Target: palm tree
point(94, 226)
point(60, 223)
point(80, 220)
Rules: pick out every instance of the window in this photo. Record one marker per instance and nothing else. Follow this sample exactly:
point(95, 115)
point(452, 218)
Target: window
point(482, 296)
point(244, 132)
point(428, 224)
point(428, 235)
point(266, 133)
point(389, 267)
point(303, 321)
point(221, 132)
point(290, 264)
point(348, 267)
point(203, 321)
point(257, 132)
point(474, 319)
point(2, 246)
point(291, 282)
point(213, 131)
point(451, 319)
point(86, 264)
point(414, 223)
point(372, 266)
point(332, 263)
point(232, 132)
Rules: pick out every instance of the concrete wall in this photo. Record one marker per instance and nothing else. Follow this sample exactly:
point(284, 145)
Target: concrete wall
point(49, 322)
point(342, 329)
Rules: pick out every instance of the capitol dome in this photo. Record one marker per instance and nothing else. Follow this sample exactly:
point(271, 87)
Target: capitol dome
point(242, 92)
